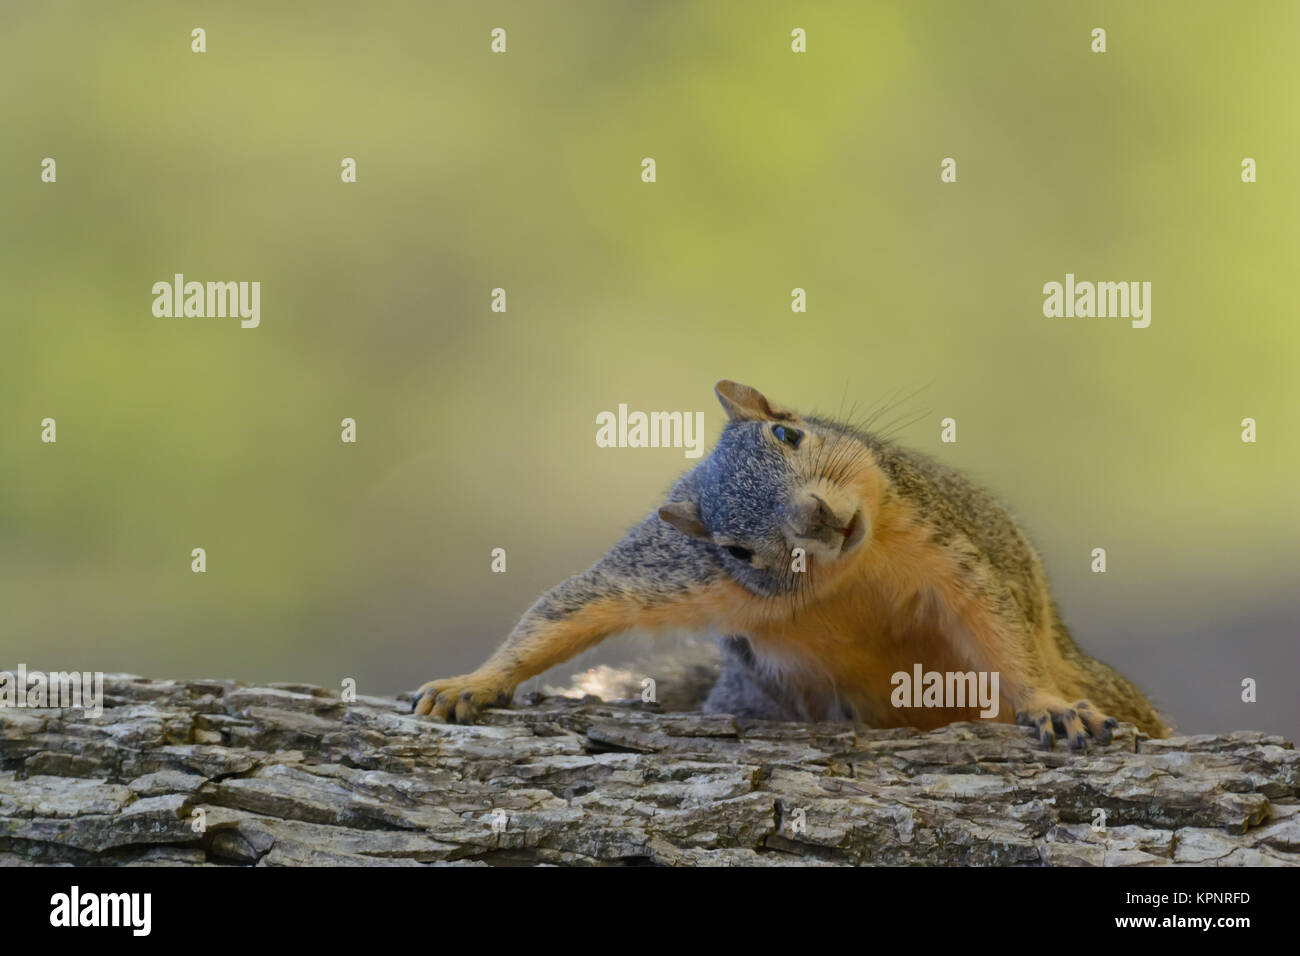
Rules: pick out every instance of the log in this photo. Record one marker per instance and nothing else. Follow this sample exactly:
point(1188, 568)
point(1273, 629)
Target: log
point(217, 773)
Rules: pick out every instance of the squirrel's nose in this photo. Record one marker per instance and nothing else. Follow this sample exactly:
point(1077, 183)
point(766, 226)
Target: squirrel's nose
point(826, 516)
point(811, 517)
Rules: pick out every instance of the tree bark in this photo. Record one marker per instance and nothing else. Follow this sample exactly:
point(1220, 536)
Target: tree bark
point(218, 773)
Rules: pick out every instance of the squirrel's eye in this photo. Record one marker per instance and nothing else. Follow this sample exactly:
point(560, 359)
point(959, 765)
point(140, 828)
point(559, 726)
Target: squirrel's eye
point(739, 553)
point(787, 435)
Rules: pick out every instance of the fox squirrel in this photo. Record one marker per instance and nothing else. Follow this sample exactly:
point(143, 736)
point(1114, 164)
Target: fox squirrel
point(904, 560)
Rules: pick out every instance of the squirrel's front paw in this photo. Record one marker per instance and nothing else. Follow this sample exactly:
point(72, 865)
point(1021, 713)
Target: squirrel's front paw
point(1051, 717)
point(459, 699)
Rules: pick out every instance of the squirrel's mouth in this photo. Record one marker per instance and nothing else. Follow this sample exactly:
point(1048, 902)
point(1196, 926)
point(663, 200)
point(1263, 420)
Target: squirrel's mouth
point(853, 532)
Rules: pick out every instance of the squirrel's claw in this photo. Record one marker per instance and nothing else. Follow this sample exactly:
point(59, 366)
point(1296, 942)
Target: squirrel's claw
point(1050, 718)
point(1041, 724)
point(458, 700)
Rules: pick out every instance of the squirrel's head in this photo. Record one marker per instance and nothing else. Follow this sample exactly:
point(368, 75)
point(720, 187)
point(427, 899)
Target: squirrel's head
point(780, 495)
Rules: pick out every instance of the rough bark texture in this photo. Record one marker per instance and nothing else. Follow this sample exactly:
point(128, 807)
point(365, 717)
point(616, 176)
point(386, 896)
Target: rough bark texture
point(214, 772)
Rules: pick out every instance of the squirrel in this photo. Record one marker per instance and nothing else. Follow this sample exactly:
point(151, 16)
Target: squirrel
point(827, 559)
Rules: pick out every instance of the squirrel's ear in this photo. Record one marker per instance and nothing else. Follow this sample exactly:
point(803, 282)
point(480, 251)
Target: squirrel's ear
point(743, 403)
point(685, 517)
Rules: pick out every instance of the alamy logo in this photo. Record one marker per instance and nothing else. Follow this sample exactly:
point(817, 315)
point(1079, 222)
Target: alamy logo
point(217, 300)
point(947, 689)
point(103, 909)
point(58, 689)
point(1103, 300)
point(651, 430)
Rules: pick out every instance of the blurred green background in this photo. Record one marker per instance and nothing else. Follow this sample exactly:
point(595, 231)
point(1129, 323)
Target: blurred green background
point(476, 429)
